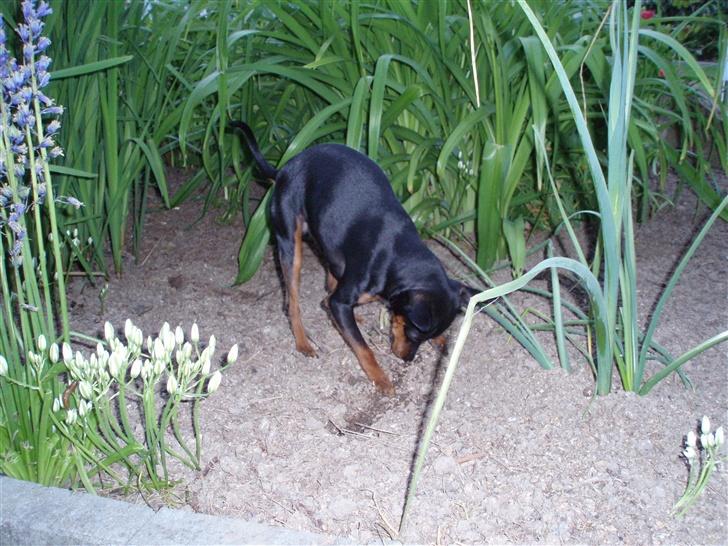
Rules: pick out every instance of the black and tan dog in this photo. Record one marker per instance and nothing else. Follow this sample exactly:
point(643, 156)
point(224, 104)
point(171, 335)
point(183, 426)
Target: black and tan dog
point(369, 245)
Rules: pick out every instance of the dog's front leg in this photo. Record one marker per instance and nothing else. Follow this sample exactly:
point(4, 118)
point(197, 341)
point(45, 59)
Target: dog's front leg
point(343, 316)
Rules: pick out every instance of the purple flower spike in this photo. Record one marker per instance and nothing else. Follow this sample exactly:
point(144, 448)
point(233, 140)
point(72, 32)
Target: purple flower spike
point(53, 110)
point(53, 127)
point(28, 51)
point(43, 9)
point(23, 116)
point(28, 11)
point(36, 27)
point(24, 33)
point(43, 44)
point(44, 79)
point(45, 101)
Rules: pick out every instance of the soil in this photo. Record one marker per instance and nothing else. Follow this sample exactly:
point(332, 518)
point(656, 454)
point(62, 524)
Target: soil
point(521, 455)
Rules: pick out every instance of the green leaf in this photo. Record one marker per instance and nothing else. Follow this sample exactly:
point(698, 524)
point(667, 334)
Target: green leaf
point(90, 68)
point(255, 242)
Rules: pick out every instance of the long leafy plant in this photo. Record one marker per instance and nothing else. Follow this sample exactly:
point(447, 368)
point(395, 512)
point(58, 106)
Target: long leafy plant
point(614, 296)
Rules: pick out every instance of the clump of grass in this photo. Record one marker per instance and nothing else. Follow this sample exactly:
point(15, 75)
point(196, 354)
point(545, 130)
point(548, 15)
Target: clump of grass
point(613, 294)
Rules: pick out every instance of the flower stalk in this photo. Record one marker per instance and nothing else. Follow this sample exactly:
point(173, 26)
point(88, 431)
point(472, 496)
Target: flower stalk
point(703, 454)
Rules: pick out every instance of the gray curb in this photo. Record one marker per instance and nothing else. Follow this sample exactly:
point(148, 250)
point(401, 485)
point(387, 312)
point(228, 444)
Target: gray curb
point(33, 514)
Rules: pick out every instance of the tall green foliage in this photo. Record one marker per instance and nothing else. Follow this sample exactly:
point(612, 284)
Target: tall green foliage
point(613, 297)
point(453, 125)
point(122, 70)
point(34, 310)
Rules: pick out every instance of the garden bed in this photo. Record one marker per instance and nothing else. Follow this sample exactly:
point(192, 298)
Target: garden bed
point(520, 455)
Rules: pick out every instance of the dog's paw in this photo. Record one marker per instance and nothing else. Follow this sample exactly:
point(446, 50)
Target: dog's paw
point(306, 349)
point(385, 386)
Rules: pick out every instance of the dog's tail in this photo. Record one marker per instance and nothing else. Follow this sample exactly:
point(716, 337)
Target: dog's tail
point(265, 168)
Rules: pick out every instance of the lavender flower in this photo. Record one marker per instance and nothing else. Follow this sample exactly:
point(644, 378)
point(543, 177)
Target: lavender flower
point(21, 101)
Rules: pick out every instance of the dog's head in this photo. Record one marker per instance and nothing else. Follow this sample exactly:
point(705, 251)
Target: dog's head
point(419, 315)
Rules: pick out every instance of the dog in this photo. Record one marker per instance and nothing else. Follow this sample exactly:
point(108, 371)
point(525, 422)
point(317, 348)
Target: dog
point(368, 244)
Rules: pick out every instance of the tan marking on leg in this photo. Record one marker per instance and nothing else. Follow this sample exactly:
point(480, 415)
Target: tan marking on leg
point(368, 362)
point(371, 367)
point(331, 282)
point(440, 343)
point(294, 311)
point(367, 298)
point(401, 346)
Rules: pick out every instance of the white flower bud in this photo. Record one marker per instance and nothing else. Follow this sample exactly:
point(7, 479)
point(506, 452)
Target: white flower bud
point(85, 389)
point(33, 358)
point(147, 370)
point(83, 408)
point(121, 352)
point(214, 382)
point(179, 336)
point(169, 342)
point(41, 343)
point(690, 454)
point(67, 353)
point(81, 363)
point(71, 416)
point(171, 384)
point(692, 439)
point(719, 437)
point(233, 354)
point(128, 329)
point(108, 331)
point(150, 345)
point(159, 351)
point(138, 337)
point(3, 366)
point(205, 360)
point(194, 334)
point(113, 364)
point(57, 403)
point(136, 369)
point(54, 353)
point(211, 345)
point(187, 350)
point(705, 425)
point(163, 330)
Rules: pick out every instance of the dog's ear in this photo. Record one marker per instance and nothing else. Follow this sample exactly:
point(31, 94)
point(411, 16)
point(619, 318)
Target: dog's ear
point(421, 314)
point(464, 292)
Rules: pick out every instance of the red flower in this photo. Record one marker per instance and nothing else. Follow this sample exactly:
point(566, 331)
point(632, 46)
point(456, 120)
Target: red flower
point(647, 14)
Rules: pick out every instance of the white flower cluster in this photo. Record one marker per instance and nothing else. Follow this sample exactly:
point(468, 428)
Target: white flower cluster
point(708, 440)
point(465, 166)
point(168, 354)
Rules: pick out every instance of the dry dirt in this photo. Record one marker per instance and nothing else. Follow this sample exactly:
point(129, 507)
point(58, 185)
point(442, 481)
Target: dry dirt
point(521, 455)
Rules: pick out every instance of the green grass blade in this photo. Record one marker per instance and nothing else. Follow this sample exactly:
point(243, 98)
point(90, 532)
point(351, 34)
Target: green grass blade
point(682, 359)
point(594, 290)
point(674, 278)
point(90, 68)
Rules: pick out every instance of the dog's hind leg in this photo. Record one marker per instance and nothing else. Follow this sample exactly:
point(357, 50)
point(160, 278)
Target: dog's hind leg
point(291, 257)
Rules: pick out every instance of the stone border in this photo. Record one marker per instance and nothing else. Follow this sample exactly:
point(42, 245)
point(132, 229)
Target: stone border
point(33, 514)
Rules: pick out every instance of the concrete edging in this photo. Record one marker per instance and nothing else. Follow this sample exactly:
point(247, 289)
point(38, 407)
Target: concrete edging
point(33, 514)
